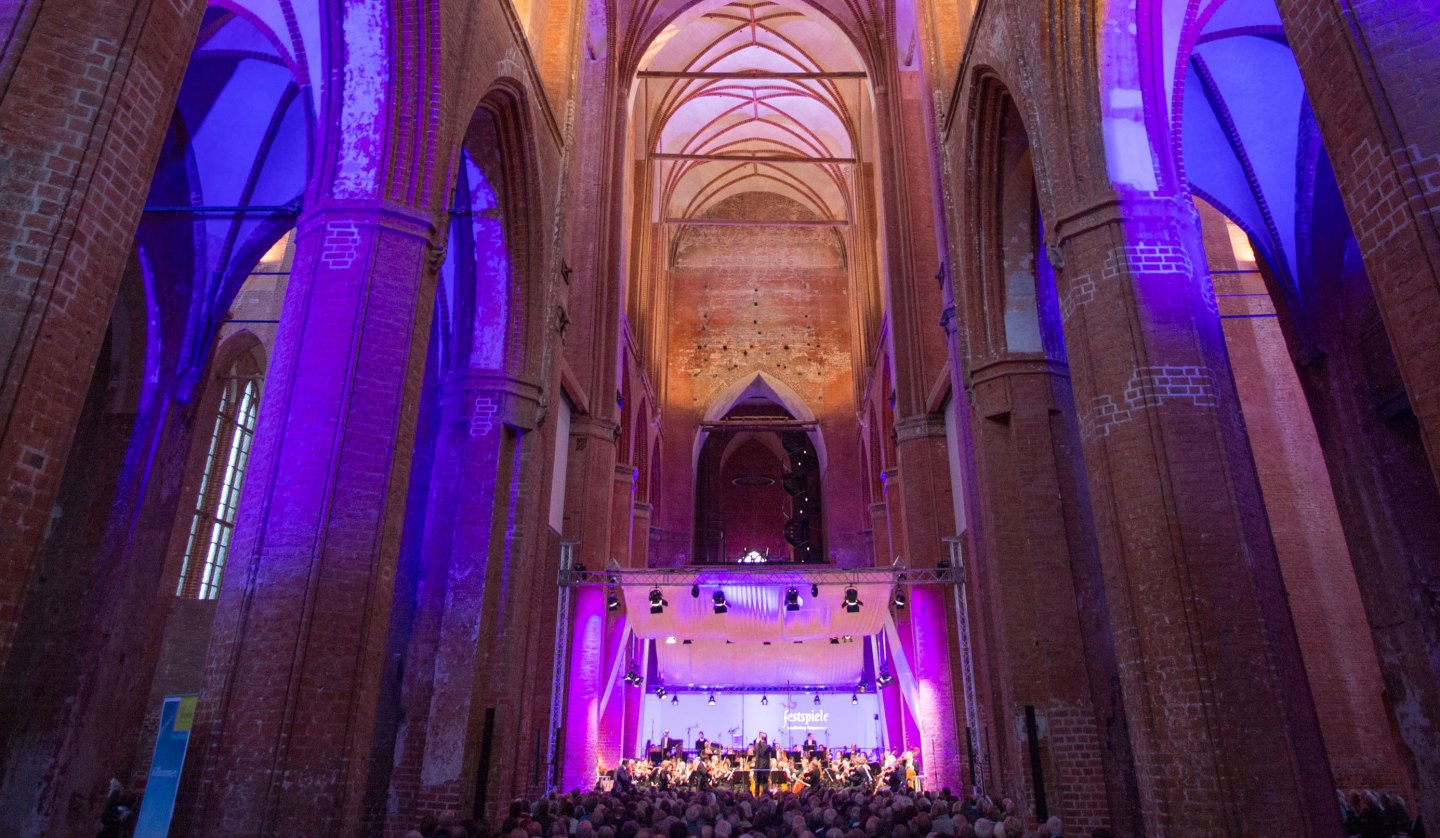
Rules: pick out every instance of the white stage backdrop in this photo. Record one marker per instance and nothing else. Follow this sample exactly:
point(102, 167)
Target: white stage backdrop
point(715, 663)
point(737, 718)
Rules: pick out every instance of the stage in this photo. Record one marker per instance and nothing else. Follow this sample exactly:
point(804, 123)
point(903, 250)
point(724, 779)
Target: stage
point(735, 720)
point(789, 650)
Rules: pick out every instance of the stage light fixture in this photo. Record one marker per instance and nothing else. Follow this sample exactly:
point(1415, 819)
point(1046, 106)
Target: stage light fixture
point(695, 591)
point(674, 700)
point(792, 599)
point(720, 606)
point(854, 699)
point(861, 687)
point(712, 699)
point(670, 641)
point(852, 601)
point(764, 700)
point(657, 601)
point(814, 590)
point(899, 598)
point(817, 699)
point(884, 678)
point(612, 602)
point(660, 691)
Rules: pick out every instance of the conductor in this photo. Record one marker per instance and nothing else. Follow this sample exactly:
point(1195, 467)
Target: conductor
point(762, 752)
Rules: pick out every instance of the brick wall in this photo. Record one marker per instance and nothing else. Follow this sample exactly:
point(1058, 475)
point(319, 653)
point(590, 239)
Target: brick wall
point(772, 300)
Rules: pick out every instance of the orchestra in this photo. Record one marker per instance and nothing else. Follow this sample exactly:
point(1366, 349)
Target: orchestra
point(762, 767)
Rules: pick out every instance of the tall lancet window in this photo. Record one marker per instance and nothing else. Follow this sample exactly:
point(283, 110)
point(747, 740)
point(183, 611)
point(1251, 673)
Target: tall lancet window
point(214, 521)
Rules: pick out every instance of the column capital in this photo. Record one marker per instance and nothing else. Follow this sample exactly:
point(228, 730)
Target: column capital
point(512, 399)
point(593, 427)
point(924, 426)
point(1116, 210)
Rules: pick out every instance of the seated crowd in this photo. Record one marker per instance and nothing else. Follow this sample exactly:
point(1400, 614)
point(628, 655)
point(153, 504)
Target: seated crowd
point(824, 813)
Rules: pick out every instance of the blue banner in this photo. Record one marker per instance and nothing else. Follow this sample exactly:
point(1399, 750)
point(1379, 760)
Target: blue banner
point(177, 716)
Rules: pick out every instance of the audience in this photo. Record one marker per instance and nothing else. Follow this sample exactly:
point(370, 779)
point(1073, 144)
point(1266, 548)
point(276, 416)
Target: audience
point(824, 813)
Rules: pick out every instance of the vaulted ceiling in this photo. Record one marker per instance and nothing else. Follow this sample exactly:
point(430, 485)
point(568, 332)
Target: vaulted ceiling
point(752, 96)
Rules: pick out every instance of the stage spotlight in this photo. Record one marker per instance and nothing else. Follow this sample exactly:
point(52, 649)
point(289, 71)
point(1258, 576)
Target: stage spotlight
point(815, 591)
point(660, 691)
point(884, 678)
point(764, 700)
point(854, 699)
point(674, 700)
point(657, 601)
point(720, 606)
point(852, 601)
point(712, 699)
point(633, 678)
point(695, 591)
point(817, 699)
point(670, 641)
point(792, 599)
point(899, 598)
point(612, 602)
point(861, 687)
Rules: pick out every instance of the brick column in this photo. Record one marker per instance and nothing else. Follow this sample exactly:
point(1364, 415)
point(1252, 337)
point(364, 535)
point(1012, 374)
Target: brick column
point(640, 535)
point(590, 483)
point(288, 710)
point(469, 546)
point(1040, 560)
point(1369, 69)
point(83, 111)
point(622, 514)
point(585, 688)
point(1224, 735)
point(929, 519)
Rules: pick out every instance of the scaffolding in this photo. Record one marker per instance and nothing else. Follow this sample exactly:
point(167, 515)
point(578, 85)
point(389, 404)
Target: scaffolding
point(967, 665)
point(562, 647)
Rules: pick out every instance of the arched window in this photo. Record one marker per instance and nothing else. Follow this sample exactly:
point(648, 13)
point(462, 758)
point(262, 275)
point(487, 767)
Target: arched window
point(213, 522)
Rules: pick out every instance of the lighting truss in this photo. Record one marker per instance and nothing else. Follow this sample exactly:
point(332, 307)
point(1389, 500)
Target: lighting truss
point(786, 576)
point(765, 690)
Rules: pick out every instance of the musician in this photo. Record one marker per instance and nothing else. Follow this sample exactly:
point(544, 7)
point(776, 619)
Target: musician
point(899, 772)
point(700, 774)
point(701, 744)
point(761, 752)
point(860, 771)
point(719, 770)
point(810, 746)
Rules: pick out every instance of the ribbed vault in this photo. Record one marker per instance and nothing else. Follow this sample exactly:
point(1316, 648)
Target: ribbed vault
point(752, 96)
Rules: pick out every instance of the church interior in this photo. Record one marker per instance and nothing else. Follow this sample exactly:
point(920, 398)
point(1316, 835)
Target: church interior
point(382, 442)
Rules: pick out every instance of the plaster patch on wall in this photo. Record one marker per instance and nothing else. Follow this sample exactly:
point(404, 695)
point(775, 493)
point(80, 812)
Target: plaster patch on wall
point(341, 245)
point(1127, 153)
point(366, 70)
